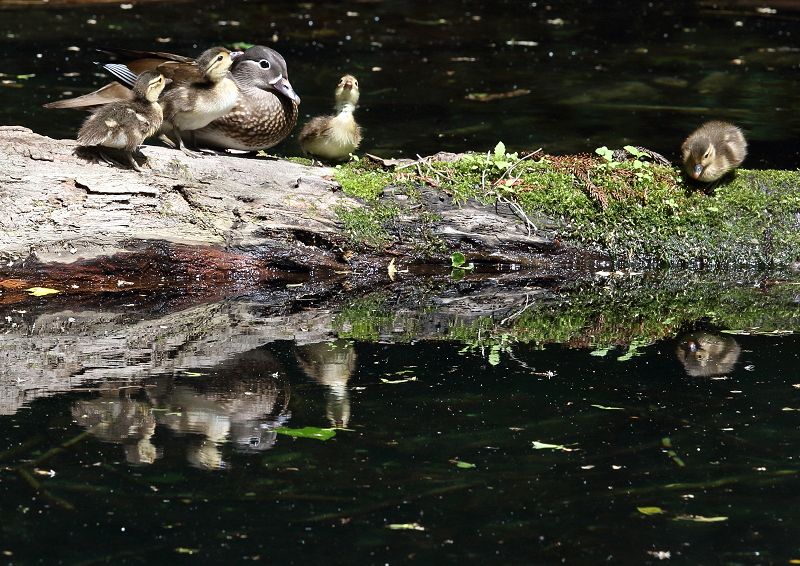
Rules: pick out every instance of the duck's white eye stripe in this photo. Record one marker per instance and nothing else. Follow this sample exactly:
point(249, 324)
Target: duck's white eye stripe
point(277, 79)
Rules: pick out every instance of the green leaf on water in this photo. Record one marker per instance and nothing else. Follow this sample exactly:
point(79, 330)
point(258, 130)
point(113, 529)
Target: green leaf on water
point(25, 77)
point(608, 408)
point(464, 465)
point(545, 446)
point(41, 291)
point(405, 527)
point(184, 550)
point(600, 352)
point(650, 510)
point(308, 432)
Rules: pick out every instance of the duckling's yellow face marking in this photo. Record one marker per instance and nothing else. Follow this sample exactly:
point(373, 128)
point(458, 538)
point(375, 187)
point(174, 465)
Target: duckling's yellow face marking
point(347, 91)
point(218, 67)
point(154, 87)
point(697, 157)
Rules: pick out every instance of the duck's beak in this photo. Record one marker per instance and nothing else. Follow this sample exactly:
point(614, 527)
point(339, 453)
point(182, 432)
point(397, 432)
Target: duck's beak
point(236, 54)
point(348, 85)
point(282, 85)
point(698, 170)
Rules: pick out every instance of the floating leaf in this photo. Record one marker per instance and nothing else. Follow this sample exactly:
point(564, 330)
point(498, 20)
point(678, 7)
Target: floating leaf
point(545, 446)
point(600, 352)
point(41, 291)
point(396, 381)
point(609, 408)
point(192, 373)
point(490, 96)
point(650, 510)
point(405, 527)
point(463, 465)
point(184, 550)
point(700, 519)
point(308, 432)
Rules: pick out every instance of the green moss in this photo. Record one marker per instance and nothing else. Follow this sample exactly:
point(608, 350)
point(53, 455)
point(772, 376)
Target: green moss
point(367, 226)
point(360, 179)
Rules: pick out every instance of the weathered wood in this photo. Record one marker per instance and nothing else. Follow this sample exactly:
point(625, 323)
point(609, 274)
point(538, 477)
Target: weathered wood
point(220, 219)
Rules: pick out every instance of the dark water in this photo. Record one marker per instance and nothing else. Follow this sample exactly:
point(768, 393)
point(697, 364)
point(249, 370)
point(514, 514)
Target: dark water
point(599, 73)
point(146, 485)
point(175, 416)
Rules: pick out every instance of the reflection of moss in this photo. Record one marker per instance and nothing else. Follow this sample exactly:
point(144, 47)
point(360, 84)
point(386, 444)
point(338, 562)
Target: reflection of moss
point(617, 312)
point(367, 318)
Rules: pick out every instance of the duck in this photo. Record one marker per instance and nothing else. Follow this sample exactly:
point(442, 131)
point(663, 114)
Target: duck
point(264, 114)
point(713, 150)
point(267, 108)
point(334, 138)
point(124, 125)
point(199, 99)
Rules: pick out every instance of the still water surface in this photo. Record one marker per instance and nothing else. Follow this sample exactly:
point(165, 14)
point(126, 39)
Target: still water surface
point(177, 444)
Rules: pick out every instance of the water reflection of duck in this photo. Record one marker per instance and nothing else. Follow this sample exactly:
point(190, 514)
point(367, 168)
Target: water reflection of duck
point(335, 137)
point(124, 125)
point(330, 364)
point(713, 150)
point(706, 355)
point(265, 111)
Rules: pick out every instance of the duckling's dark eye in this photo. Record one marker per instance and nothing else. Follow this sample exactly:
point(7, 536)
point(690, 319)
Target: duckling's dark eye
point(219, 57)
point(264, 64)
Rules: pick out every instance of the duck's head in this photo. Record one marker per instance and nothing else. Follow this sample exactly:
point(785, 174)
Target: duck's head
point(150, 84)
point(698, 153)
point(264, 68)
point(347, 91)
point(215, 62)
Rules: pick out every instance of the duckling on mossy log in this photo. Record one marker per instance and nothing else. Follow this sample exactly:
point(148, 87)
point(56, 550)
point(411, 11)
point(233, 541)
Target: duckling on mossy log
point(281, 217)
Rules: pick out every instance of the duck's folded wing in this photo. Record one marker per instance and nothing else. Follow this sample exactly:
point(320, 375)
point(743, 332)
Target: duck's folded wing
point(112, 92)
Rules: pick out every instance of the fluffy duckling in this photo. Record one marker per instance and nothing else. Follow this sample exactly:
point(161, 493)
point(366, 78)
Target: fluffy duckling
point(267, 108)
point(333, 138)
point(713, 150)
point(126, 124)
point(196, 101)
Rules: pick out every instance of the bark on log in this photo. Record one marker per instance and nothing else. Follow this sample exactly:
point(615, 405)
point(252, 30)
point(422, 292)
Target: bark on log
point(224, 219)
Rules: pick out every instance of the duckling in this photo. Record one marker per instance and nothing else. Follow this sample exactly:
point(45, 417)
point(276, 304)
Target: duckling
point(713, 150)
point(266, 111)
point(126, 124)
point(197, 101)
point(264, 114)
point(333, 138)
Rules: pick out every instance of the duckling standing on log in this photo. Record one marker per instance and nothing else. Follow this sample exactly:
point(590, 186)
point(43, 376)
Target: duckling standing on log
point(333, 138)
point(125, 125)
point(197, 100)
point(713, 150)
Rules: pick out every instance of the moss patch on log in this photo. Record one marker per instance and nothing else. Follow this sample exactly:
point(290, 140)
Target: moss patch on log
point(621, 205)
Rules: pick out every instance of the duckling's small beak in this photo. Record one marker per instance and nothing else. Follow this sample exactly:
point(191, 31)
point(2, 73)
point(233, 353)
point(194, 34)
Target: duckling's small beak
point(236, 54)
point(282, 85)
point(698, 170)
point(167, 81)
point(348, 85)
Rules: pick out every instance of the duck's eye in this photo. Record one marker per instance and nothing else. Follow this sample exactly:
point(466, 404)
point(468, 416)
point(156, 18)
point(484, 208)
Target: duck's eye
point(264, 64)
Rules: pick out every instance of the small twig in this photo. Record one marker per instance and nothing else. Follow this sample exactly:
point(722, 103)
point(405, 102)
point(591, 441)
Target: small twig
point(38, 488)
point(519, 312)
point(517, 209)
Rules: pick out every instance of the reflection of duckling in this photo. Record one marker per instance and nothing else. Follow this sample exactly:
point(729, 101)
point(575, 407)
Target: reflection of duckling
point(330, 364)
point(705, 355)
point(334, 137)
point(198, 101)
point(712, 150)
point(125, 125)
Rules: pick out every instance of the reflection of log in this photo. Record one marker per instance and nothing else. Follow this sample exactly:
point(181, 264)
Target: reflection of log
point(43, 353)
point(222, 220)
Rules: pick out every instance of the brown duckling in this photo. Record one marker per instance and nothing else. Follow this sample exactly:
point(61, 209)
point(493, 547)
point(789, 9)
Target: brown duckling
point(335, 137)
point(125, 125)
point(713, 150)
point(195, 101)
